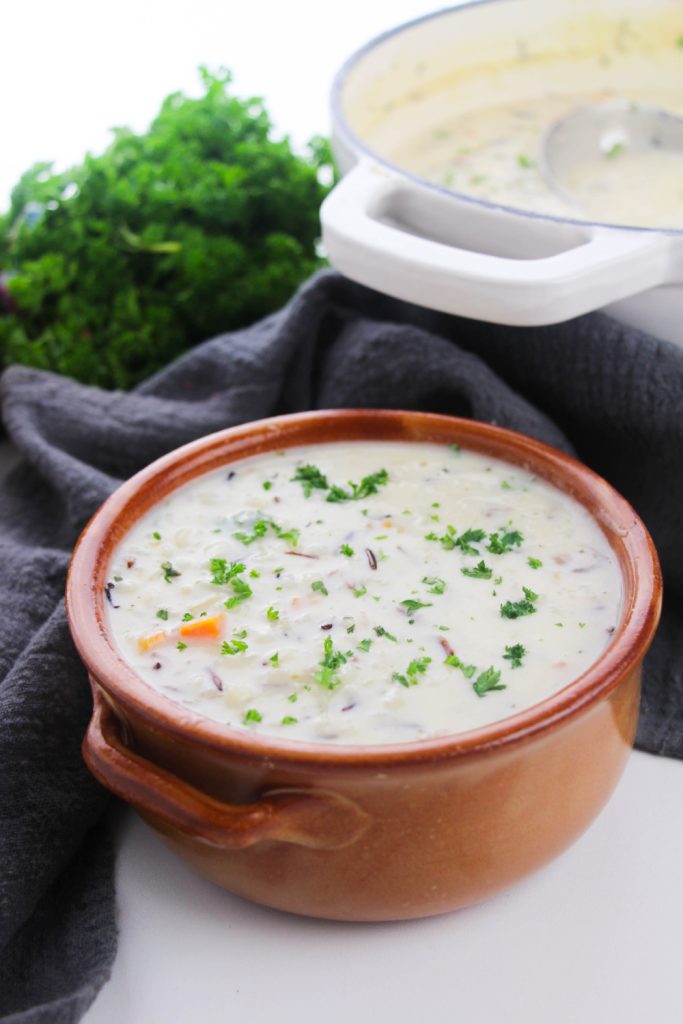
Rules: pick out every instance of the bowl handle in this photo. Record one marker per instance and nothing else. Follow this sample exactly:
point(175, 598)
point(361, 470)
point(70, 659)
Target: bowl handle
point(308, 817)
point(363, 238)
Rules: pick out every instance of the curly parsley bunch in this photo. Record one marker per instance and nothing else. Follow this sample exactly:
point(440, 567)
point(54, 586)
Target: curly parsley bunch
point(201, 225)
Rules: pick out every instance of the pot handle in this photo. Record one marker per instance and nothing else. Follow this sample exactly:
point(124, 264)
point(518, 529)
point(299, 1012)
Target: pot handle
point(316, 818)
point(364, 240)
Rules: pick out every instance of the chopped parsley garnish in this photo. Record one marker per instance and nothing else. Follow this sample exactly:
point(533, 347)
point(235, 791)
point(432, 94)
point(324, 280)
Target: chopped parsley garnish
point(465, 540)
point(416, 668)
point(514, 654)
point(535, 563)
point(242, 591)
point(293, 698)
point(369, 485)
point(272, 614)
point(320, 587)
point(346, 550)
point(274, 659)
point(291, 535)
point(515, 609)
point(381, 631)
point(524, 161)
point(467, 670)
point(488, 680)
point(253, 715)
point(616, 149)
point(412, 606)
point(260, 528)
point(360, 591)
point(365, 645)
point(168, 571)
point(162, 613)
point(181, 646)
point(188, 616)
point(289, 720)
point(234, 646)
point(222, 573)
point(332, 661)
point(310, 479)
point(481, 571)
point(503, 541)
point(435, 583)
point(267, 484)
point(156, 535)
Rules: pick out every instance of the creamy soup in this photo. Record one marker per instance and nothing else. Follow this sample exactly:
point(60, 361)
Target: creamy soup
point(363, 592)
point(493, 153)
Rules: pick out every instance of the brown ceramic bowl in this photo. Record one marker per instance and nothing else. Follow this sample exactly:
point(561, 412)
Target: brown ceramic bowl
point(365, 832)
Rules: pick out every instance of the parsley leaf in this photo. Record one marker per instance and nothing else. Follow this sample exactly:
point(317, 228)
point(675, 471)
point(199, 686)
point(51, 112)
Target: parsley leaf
point(242, 591)
point(435, 583)
point(319, 586)
point(162, 613)
point(234, 646)
point(259, 529)
point(488, 680)
point(222, 573)
point(535, 563)
point(464, 541)
point(514, 654)
point(332, 661)
point(346, 550)
point(365, 645)
point(515, 609)
point(416, 667)
point(272, 614)
point(253, 715)
point(467, 670)
point(381, 631)
point(503, 541)
point(412, 606)
point(369, 485)
point(310, 479)
point(168, 571)
point(480, 572)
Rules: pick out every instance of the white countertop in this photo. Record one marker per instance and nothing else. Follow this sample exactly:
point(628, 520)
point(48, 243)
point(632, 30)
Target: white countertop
point(594, 938)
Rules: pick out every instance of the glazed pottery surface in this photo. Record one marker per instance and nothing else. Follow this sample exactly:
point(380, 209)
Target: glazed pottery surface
point(365, 832)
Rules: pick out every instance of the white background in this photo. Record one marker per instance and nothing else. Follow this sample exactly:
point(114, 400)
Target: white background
point(593, 939)
point(71, 69)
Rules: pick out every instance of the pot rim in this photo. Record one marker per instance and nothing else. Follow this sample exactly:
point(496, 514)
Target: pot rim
point(85, 600)
point(354, 141)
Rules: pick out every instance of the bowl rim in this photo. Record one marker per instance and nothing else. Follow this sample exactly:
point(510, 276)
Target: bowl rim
point(356, 143)
point(625, 531)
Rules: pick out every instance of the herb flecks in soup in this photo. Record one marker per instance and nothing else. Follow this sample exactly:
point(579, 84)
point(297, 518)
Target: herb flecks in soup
point(363, 592)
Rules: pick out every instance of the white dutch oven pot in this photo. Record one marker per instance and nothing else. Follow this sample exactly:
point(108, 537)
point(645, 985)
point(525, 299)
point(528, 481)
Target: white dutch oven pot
point(422, 242)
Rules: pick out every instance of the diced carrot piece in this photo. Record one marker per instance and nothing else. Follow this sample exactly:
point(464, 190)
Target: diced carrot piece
point(203, 628)
point(151, 640)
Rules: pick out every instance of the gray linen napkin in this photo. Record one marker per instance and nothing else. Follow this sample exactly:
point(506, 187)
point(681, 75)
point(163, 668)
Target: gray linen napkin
point(610, 394)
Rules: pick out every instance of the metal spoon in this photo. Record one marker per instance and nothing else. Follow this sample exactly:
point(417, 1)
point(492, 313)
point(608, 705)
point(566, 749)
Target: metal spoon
point(604, 130)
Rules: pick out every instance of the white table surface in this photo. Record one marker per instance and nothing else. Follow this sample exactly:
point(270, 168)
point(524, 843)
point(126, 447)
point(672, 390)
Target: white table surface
point(594, 938)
